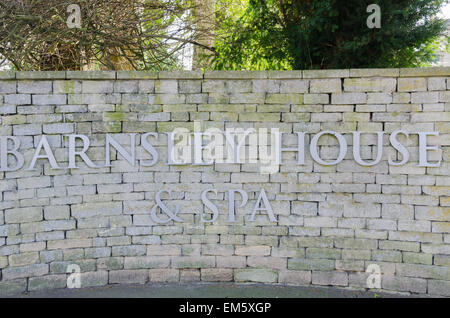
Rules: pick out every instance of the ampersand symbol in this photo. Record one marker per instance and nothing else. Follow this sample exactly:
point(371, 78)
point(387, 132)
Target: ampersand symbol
point(159, 204)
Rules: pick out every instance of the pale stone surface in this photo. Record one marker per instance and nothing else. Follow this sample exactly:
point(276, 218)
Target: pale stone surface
point(330, 278)
point(216, 275)
point(332, 221)
point(12, 273)
point(92, 279)
point(412, 84)
point(326, 86)
point(47, 282)
point(164, 275)
point(428, 71)
point(370, 85)
point(139, 276)
point(13, 287)
point(255, 275)
point(90, 75)
point(325, 73)
point(371, 72)
point(34, 87)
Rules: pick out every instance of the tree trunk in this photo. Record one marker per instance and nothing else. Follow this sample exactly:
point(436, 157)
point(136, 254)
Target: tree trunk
point(204, 33)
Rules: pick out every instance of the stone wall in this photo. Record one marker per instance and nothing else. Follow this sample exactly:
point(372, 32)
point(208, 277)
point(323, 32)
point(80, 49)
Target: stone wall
point(332, 221)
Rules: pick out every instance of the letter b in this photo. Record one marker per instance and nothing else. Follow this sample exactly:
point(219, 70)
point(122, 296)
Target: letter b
point(4, 152)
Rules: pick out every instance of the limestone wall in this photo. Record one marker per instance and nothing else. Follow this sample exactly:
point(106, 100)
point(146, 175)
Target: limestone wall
point(326, 224)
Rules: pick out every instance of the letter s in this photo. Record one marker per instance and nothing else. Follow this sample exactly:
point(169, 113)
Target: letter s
point(399, 147)
point(209, 205)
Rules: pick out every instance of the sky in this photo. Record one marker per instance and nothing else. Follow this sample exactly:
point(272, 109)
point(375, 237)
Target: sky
point(446, 12)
